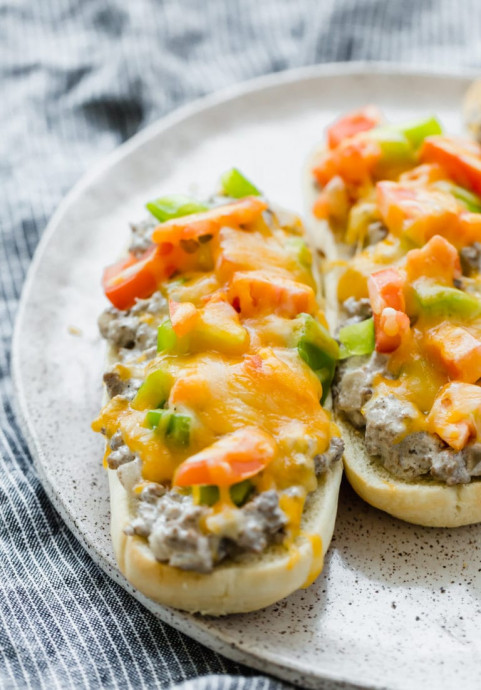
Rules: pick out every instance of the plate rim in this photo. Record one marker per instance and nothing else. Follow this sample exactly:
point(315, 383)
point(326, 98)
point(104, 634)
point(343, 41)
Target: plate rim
point(194, 626)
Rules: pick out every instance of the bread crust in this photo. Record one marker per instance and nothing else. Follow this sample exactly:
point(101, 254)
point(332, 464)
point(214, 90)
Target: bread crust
point(249, 583)
point(427, 502)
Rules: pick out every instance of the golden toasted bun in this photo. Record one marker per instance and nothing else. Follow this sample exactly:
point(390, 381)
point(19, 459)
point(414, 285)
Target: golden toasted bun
point(248, 583)
point(424, 501)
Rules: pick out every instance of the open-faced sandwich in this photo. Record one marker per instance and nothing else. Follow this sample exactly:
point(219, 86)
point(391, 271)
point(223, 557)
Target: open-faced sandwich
point(397, 211)
point(224, 468)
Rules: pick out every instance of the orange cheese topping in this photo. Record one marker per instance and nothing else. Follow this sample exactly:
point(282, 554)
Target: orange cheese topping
point(237, 366)
point(429, 219)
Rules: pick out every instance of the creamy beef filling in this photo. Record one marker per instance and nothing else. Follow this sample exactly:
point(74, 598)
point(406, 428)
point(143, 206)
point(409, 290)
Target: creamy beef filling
point(128, 330)
point(386, 422)
point(471, 259)
point(141, 236)
point(173, 524)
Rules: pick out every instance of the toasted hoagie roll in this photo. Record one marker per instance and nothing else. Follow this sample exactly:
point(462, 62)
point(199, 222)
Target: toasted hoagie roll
point(398, 210)
point(224, 467)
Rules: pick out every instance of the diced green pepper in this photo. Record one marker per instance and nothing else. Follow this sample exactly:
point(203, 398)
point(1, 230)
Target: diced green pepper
point(317, 348)
point(301, 249)
point(235, 185)
point(239, 493)
point(440, 300)
point(174, 206)
point(469, 199)
point(417, 130)
point(178, 430)
point(158, 419)
point(153, 392)
point(395, 146)
point(209, 495)
point(166, 338)
point(357, 339)
point(175, 427)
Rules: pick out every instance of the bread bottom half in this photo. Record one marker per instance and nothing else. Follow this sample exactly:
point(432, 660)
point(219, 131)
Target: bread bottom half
point(247, 583)
point(422, 501)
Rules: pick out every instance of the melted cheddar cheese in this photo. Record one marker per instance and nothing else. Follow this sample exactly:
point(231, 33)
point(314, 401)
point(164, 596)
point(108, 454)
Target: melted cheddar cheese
point(429, 222)
point(263, 270)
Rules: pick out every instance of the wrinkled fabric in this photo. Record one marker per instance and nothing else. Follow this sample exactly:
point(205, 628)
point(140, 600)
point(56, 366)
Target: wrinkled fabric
point(77, 78)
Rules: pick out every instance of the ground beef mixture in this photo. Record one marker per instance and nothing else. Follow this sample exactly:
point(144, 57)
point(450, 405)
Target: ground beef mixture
point(353, 385)
point(323, 461)
point(471, 259)
point(126, 330)
point(386, 421)
point(141, 236)
point(172, 524)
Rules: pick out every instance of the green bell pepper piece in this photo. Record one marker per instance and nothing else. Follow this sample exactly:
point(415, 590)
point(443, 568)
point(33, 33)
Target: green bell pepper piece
point(235, 185)
point(178, 430)
point(153, 392)
point(166, 338)
point(175, 427)
point(469, 199)
point(209, 495)
point(357, 339)
point(158, 419)
point(395, 146)
point(239, 493)
point(174, 206)
point(417, 130)
point(440, 300)
point(318, 349)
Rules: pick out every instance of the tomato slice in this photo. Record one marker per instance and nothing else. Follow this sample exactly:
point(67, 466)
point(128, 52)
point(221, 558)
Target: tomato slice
point(353, 123)
point(457, 350)
point(386, 293)
point(461, 159)
point(456, 414)
point(201, 225)
point(256, 291)
point(438, 259)
point(132, 278)
point(235, 457)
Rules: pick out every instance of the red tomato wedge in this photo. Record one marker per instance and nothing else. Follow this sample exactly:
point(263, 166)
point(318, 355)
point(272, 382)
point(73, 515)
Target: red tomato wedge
point(354, 160)
point(417, 212)
point(198, 225)
point(456, 414)
point(235, 457)
point(333, 201)
point(456, 350)
point(386, 290)
point(460, 158)
point(390, 326)
point(254, 291)
point(353, 123)
point(386, 293)
point(131, 278)
point(437, 259)
point(183, 317)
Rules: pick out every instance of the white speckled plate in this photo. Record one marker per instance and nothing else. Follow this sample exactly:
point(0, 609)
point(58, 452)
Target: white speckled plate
point(397, 606)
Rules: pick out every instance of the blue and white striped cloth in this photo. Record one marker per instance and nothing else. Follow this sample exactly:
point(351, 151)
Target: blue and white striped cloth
point(77, 78)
